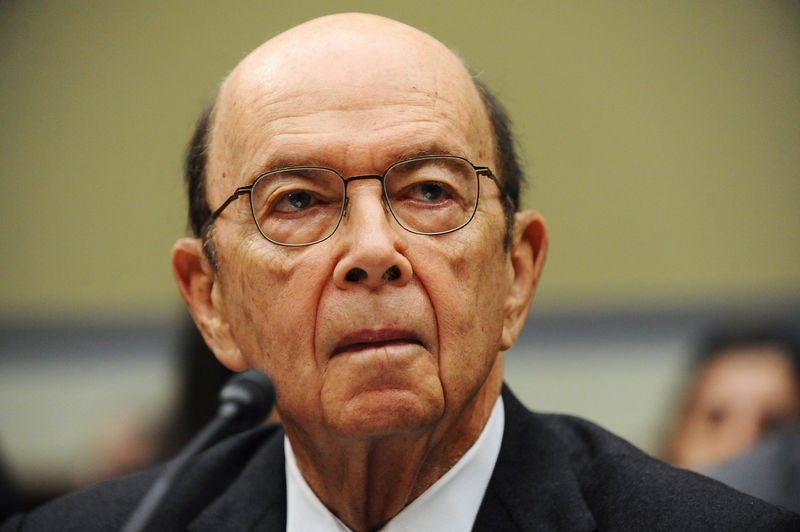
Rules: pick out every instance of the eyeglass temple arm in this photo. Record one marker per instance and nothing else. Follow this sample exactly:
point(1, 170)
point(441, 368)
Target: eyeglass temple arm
point(233, 197)
point(485, 170)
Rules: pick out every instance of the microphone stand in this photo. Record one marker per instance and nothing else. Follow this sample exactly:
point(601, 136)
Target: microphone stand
point(245, 401)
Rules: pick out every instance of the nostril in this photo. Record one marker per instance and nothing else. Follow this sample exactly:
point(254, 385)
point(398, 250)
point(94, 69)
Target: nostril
point(355, 275)
point(391, 274)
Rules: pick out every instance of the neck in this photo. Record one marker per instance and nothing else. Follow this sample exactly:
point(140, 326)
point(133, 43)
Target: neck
point(367, 482)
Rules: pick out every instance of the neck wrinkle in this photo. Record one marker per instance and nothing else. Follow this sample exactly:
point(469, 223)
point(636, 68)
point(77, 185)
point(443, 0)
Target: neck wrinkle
point(373, 480)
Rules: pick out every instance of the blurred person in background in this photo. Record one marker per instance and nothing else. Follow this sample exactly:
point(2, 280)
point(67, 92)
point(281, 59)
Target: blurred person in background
point(770, 471)
point(745, 384)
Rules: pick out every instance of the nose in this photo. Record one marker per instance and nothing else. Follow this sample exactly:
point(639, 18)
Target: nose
point(373, 244)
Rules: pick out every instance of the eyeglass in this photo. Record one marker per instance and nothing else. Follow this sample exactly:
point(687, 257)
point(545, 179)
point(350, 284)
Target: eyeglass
point(300, 206)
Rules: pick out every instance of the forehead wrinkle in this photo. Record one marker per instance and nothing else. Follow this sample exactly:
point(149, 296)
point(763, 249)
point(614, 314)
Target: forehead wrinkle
point(238, 159)
point(418, 68)
point(284, 126)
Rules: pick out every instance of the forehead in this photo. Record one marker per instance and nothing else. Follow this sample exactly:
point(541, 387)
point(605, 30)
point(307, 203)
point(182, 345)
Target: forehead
point(364, 92)
point(748, 369)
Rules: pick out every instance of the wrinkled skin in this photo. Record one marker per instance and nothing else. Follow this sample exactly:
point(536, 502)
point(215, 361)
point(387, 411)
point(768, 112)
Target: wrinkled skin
point(385, 381)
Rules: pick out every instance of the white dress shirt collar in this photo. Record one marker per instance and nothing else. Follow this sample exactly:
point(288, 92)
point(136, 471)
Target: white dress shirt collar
point(449, 505)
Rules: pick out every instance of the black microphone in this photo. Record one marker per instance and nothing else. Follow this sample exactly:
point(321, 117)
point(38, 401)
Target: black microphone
point(245, 401)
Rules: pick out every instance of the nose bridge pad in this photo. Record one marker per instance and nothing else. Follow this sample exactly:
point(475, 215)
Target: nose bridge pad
point(345, 206)
point(387, 210)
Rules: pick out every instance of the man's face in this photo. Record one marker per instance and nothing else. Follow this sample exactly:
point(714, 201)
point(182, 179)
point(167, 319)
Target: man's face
point(358, 356)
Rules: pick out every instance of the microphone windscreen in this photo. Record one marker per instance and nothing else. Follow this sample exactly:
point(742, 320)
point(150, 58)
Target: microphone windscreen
point(253, 393)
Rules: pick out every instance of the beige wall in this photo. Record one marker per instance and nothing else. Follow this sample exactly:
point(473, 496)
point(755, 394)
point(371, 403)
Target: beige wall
point(662, 138)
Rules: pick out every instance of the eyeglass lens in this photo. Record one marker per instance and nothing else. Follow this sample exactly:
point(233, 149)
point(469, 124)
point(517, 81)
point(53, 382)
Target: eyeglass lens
point(304, 205)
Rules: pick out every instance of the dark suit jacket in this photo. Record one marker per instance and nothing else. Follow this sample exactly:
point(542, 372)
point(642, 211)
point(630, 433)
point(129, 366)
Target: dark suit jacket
point(553, 473)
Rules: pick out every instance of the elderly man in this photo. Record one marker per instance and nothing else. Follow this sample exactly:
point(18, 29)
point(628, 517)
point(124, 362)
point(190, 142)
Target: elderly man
point(354, 196)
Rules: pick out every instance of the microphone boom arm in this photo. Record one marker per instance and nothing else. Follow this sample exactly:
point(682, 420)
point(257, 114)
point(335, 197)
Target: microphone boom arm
point(245, 401)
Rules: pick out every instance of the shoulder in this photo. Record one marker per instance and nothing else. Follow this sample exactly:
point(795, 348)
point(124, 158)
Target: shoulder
point(624, 485)
point(106, 506)
point(623, 488)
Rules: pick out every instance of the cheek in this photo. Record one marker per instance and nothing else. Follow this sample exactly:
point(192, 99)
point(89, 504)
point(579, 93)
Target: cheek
point(272, 296)
point(477, 285)
point(467, 292)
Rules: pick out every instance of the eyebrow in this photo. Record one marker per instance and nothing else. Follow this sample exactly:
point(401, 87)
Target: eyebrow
point(294, 161)
point(431, 149)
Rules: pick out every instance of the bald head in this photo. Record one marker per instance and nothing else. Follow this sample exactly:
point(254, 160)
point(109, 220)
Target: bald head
point(340, 51)
point(356, 65)
point(361, 69)
point(347, 43)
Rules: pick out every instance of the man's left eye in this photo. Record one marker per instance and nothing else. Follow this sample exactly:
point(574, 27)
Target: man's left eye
point(429, 191)
point(300, 199)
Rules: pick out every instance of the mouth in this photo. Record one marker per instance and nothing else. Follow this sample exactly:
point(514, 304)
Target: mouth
point(363, 340)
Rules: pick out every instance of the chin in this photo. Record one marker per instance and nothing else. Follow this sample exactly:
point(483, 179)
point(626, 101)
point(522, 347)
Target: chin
point(386, 412)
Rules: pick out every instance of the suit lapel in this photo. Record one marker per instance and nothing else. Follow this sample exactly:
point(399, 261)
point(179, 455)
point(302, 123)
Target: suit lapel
point(533, 486)
point(254, 501)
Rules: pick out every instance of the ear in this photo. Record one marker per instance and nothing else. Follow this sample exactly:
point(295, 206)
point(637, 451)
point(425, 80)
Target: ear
point(200, 289)
point(525, 263)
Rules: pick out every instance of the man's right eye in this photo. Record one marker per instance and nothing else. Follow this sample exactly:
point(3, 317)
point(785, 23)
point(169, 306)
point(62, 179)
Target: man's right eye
point(294, 201)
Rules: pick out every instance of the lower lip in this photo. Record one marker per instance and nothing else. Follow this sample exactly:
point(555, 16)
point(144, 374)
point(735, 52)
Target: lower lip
point(376, 346)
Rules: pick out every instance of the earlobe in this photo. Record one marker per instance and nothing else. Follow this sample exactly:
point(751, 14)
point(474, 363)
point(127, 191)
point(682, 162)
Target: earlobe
point(197, 284)
point(526, 260)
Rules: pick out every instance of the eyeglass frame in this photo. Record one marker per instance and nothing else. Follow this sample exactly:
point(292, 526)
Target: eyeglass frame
point(248, 189)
